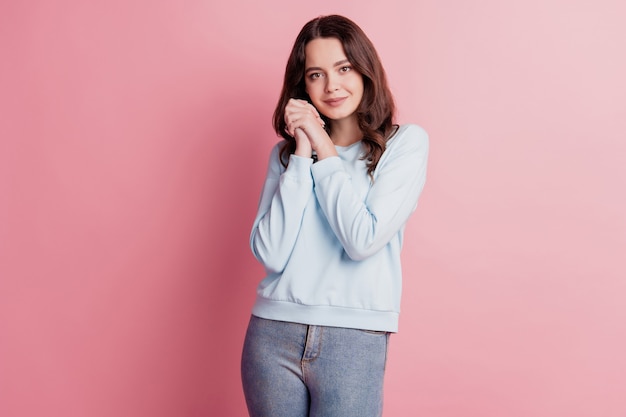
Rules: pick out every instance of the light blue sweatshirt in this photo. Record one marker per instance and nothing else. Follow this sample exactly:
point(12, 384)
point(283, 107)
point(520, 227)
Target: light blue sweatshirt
point(330, 238)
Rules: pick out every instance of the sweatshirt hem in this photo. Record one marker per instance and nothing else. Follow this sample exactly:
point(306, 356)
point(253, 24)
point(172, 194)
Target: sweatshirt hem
point(333, 316)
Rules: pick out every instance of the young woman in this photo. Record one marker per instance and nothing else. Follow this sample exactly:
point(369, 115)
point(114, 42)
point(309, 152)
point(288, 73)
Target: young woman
point(338, 192)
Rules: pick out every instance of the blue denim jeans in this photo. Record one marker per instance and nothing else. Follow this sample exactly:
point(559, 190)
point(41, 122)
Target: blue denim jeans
point(296, 370)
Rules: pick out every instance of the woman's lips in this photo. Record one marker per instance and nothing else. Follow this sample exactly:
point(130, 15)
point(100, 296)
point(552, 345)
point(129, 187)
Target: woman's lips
point(335, 102)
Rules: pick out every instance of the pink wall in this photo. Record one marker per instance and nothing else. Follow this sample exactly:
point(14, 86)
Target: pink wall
point(134, 136)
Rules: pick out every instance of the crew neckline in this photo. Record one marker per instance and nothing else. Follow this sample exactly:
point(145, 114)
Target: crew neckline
point(345, 148)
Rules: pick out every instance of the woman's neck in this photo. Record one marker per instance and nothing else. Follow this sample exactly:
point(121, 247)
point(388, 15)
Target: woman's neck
point(345, 132)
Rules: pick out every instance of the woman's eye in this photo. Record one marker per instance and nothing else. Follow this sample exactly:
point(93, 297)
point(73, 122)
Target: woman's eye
point(315, 75)
point(345, 69)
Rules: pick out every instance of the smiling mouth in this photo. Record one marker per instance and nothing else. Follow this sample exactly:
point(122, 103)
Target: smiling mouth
point(334, 102)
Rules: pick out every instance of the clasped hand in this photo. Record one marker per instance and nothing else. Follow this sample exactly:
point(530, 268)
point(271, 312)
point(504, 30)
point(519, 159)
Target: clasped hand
point(305, 124)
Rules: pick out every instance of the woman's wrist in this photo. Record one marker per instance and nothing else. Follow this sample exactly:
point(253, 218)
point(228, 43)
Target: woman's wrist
point(326, 150)
point(303, 152)
point(303, 146)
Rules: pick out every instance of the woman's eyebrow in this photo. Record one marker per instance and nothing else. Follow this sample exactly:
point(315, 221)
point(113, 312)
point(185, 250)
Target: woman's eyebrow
point(336, 64)
point(343, 61)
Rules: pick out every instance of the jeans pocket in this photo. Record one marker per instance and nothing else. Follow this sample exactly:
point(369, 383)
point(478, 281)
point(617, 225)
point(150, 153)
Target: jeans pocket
point(374, 332)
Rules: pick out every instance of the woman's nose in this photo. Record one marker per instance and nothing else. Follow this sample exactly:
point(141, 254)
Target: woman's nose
point(332, 84)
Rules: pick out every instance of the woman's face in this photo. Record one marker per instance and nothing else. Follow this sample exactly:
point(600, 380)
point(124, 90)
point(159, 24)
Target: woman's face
point(334, 86)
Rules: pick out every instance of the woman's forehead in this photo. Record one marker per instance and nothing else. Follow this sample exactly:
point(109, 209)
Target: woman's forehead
point(324, 52)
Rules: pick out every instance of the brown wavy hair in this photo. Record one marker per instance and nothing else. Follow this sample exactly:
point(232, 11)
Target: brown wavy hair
point(377, 109)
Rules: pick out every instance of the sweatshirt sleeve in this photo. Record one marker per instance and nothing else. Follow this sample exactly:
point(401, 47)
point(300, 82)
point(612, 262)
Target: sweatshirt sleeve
point(281, 207)
point(365, 226)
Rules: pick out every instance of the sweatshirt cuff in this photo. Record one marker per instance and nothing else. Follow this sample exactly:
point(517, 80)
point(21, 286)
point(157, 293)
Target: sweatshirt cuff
point(326, 167)
point(299, 167)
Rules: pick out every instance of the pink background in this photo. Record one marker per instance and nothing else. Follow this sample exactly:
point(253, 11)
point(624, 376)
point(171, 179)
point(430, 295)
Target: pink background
point(134, 136)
